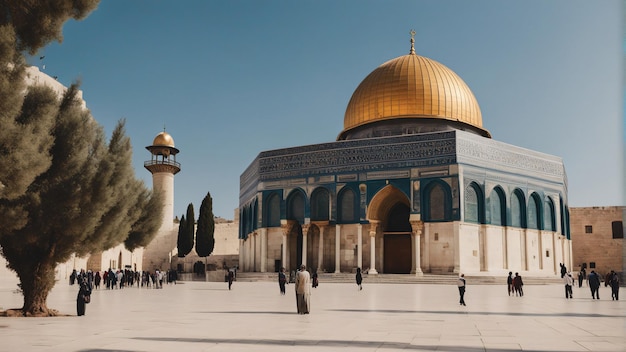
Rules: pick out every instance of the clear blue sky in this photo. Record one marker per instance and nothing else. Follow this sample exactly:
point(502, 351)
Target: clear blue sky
point(229, 79)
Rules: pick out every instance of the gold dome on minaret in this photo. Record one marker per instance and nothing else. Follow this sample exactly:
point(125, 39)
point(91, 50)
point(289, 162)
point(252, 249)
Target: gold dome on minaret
point(413, 87)
point(163, 139)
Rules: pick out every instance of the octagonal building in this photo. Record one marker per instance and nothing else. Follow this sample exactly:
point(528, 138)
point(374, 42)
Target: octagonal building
point(413, 184)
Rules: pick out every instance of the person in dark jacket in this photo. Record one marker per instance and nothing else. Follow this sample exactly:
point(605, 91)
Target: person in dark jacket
point(614, 283)
point(231, 277)
point(282, 280)
point(594, 284)
point(84, 296)
point(518, 285)
point(359, 278)
point(581, 276)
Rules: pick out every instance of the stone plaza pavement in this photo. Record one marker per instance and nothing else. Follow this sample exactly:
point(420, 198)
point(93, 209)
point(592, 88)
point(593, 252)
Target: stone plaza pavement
point(253, 316)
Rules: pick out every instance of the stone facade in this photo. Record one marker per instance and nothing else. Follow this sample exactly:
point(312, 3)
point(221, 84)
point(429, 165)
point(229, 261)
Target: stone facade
point(466, 204)
point(594, 232)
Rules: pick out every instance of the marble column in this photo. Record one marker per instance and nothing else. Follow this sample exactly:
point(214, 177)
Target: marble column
point(305, 236)
point(417, 227)
point(337, 248)
point(264, 250)
point(320, 251)
point(242, 254)
point(359, 246)
point(373, 227)
point(286, 227)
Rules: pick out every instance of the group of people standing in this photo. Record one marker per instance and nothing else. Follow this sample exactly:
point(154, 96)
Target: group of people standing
point(594, 281)
point(611, 279)
point(515, 285)
point(118, 279)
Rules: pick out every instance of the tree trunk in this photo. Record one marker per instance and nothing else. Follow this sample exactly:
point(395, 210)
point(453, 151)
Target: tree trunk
point(36, 284)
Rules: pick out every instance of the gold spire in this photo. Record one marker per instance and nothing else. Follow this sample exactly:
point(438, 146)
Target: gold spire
point(412, 33)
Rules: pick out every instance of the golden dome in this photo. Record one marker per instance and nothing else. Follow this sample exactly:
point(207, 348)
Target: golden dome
point(413, 87)
point(163, 139)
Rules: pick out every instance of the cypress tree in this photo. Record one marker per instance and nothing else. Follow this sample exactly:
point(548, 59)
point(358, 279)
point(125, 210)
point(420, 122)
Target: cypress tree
point(205, 240)
point(190, 228)
point(180, 244)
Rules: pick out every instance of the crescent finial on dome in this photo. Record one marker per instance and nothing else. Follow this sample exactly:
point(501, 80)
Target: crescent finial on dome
point(412, 33)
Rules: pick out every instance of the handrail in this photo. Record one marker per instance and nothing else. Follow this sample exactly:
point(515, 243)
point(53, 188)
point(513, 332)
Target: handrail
point(161, 162)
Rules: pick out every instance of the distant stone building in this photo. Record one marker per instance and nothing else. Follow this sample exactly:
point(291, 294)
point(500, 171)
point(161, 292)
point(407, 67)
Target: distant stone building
point(598, 239)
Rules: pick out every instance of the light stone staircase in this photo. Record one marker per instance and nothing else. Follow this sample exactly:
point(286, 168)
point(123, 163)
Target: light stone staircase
point(437, 279)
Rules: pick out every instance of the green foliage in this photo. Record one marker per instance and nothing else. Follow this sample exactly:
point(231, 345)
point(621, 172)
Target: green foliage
point(205, 240)
point(188, 236)
point(180, 243)
point(39, 22)
point(63, 188)
point(150, 209)
point(186, 232)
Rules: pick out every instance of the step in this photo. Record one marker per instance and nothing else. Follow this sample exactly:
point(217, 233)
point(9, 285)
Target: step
point(403, 278)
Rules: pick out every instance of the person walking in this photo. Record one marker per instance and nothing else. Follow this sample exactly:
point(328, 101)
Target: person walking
point(614, 282)
point(594, 284)
point(303, 290)
point(509, 283)
point(231, 277)
point(461, 285)
point(359, 278)
point(581, 276)
point(563, 270)
point(83, 297)
point(569, 282)
point(315, 280)
point(282, 280)
point(517, 285)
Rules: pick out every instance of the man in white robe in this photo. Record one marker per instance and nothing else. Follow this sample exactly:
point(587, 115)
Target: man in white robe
point(303, 290)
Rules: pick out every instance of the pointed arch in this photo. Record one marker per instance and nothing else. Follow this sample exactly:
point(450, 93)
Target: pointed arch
point(296, 201)
point(549, 215)
point(320, 204)
point(497, 207)
point(437, 202)
point(474, 204)
point(518, 209)
point(347, 206)
point(535, 214)
point(271, 211)
point(384, 200)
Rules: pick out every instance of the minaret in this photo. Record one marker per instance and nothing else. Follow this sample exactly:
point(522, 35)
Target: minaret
point(163, 167)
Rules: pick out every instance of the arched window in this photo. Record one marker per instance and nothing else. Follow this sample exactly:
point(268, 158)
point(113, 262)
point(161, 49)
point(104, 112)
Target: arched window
point(473, 204)
point(566, 230)
point(564, 218)
point(534, 212)
point(437, 202)
point(347, 206)
point(497, 207)
point(320, 205)
point(518, 213)
point(273, 211)
point(295, 206)
point(549, 218)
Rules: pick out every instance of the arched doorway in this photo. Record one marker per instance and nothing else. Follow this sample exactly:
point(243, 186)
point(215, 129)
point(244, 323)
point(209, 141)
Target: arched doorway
point(390, 207)
point(397, 240)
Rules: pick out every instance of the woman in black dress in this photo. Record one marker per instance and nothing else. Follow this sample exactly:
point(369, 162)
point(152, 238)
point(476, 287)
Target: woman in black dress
point(359, 278)
point(84, 296)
